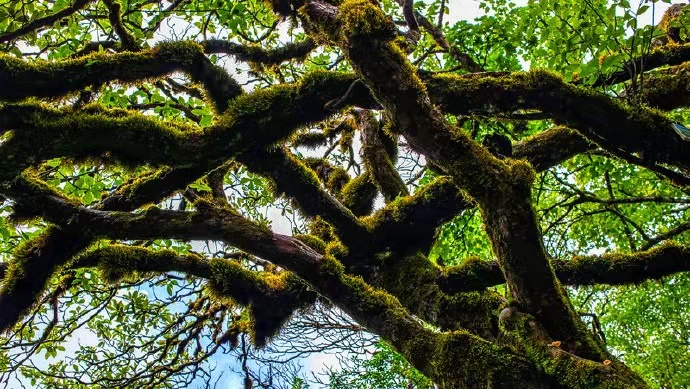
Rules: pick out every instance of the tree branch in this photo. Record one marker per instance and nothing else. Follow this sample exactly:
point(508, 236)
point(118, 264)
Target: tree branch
point(606, 269)
point(292, 51)
point(366, 36)
point(377, 161)
point(44, 21)
point(375, 309)
point(665, 55)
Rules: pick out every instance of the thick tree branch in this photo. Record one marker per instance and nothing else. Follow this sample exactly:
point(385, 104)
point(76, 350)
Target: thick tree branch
point(606, 269)
point(373, 308)
point(596, 116)
point(410, 222)
point(599, 117)
point(253, 121)
point(551, 147)
point(20, 79)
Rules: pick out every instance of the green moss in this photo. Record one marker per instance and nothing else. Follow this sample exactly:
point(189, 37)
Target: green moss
point(272, 298)
point(117, 135)
point(310, 140)
point(337, 180)
point(567, 369)
point(359, 194)
point(33, 191)
point(29, 270)
point(321, 229)
point(312, 241)
point(412, 221)
point(336, 249)
point(360, 19)
point(120, 263)
point(455, 359)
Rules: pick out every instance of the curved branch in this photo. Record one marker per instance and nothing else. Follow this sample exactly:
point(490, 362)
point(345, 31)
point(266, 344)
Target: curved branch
point(300, 183)
point(375, 309)
point(366, 35)
point(115, 18)
point(20, 79)
point(43, 22)
point(271, 297)
point(596, 116)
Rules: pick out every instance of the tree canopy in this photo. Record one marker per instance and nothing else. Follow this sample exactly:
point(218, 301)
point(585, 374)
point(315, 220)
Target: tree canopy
point(501, 200)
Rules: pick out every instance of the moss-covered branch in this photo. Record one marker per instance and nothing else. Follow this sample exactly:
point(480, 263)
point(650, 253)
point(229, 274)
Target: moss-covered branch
point(256, 120)
point(271, 297)
point(292, 51)
point(598, 117)
point(42, 256)
point(20, 79)
point(293, 178)
point(502, 189)
point(666, 89)
point(567, 370)
point(376, 159)
point(374, 308)
point(551, 147)
point(606, 269)
point(115, 18)
point(410, 222)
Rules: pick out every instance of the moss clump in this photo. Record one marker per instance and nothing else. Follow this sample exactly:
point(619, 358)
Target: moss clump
point(272, 298)
point(359, 194)
point(312, 241)
point(322, 230)
point(336, 249)
point(310, 140)
point(360, 19)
